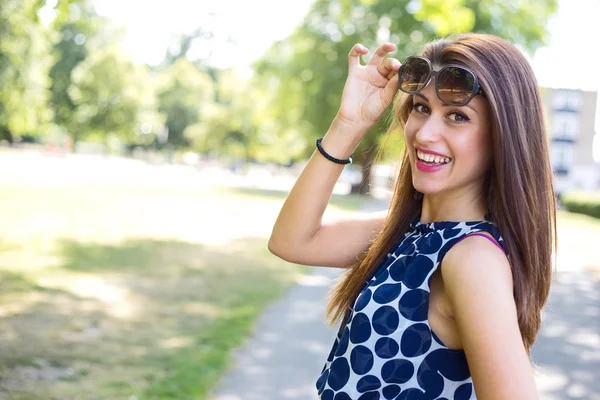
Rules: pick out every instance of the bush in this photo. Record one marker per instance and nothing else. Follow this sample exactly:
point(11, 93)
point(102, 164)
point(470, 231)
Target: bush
point(582, 202)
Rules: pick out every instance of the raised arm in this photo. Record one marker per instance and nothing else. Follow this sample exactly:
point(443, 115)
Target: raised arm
point(299, 234)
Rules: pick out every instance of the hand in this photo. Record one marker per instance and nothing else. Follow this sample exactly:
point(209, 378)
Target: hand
point(369, 89)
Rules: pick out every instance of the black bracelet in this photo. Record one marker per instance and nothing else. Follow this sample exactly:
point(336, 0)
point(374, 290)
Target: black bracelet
point(330, 158)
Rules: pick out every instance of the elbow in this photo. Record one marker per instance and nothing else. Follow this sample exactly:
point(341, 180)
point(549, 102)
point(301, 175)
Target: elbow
point(274, 248)
point(280, 250)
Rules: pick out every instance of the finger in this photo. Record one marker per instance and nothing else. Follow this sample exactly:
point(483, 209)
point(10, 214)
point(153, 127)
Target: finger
point(389, 67)
point(354, 56)
point(389, 91)
point(381, 52)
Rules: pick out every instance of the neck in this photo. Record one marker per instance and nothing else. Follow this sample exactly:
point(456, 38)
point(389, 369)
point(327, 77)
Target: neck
point(467, 205)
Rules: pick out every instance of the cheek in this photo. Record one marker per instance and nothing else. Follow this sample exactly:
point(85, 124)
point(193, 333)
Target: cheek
point(410, 131)
point(480, 152)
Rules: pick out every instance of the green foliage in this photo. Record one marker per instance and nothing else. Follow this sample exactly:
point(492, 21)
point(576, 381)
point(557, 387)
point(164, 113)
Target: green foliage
point(183, 91)
point(307, 71)
point(107, 90)
point(78, 26)
point(25, 58)
point(582, 203)
point(242, 126)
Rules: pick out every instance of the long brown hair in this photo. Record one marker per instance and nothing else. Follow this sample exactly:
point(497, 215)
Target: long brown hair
point(518, 186)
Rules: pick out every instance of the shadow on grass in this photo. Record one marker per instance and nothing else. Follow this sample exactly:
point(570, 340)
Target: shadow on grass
point(147, 318)
point(567, 349)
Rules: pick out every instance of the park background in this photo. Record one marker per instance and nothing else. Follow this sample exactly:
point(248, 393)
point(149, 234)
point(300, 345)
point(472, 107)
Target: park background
point(146, 149)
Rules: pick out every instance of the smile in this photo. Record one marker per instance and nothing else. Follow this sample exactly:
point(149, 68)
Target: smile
point(432, 159)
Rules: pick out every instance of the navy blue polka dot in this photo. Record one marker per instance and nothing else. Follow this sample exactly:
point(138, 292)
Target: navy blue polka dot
point(370, 396)
point(398, 268)
point(381, 276)
point(413, 394)
point(431, 380)
point(362, 300)
point(360, 330)
point(367, 383)
point(385, 320)
point(397, 371)
point(387, 292)
point(454, 365)
point(386, 348)
point(431, 244)
point(391, 391)
point(416, 340)
point(414, 305)
point(361, 360)
point(342, 396)
point(416, 276)
point(448, 233)
point(339, 373)
point(341, 349)
point(327, 395)
point(322, 380)
point(463, 392)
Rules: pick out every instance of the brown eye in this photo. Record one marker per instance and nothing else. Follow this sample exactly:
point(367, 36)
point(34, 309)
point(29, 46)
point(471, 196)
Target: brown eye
point(458, 117)
point(420, 108)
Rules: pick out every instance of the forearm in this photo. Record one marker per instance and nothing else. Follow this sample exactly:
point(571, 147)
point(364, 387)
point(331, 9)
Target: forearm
point(301, 215)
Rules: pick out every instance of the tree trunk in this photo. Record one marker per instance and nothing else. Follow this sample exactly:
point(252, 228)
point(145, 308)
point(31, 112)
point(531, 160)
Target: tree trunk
point(5, 134)
point(366, 158)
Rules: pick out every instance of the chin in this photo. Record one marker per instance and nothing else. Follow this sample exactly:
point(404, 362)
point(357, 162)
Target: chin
point(428, 187)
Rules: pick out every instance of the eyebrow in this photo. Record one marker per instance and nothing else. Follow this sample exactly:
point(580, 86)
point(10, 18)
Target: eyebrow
point(445, 105)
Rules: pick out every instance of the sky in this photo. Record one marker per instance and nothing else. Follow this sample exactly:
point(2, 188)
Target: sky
point(245, 29)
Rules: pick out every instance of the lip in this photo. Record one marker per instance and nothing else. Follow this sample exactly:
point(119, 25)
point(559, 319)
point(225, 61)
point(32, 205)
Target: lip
point(429, 168)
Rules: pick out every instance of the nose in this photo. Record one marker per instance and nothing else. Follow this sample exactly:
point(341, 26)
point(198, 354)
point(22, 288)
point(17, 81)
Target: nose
point(431, 129)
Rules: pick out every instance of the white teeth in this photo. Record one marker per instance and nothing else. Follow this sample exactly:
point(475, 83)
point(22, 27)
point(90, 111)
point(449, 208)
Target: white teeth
point(432, 158)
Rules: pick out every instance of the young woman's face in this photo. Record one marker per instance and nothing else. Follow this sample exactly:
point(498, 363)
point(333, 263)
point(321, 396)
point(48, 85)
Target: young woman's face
point(449, 147)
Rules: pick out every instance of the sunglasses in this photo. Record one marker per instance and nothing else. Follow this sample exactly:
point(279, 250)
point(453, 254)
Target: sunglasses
point(454, 85)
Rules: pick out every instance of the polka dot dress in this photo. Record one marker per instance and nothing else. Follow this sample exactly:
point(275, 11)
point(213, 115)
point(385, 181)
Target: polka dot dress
point(387, 350)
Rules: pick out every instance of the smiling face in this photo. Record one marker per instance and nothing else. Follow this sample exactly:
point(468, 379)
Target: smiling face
point(449, 147)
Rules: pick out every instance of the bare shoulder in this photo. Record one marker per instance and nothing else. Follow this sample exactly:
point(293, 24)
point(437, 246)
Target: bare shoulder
point(477, 261)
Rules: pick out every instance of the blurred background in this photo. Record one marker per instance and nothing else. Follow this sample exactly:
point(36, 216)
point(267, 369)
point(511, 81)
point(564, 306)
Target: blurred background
point(147, 147)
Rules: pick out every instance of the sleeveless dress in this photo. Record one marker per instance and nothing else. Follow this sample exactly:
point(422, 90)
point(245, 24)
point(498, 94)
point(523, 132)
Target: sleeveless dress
point(386, 348)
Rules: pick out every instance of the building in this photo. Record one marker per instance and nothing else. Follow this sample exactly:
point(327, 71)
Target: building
point(571, 116)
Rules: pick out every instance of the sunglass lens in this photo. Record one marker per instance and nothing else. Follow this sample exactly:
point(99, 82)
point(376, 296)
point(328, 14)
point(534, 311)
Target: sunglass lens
point(455, 85)
point(413, 75)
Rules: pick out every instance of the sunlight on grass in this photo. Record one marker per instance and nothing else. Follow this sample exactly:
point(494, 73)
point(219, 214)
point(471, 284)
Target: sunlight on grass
point(113, 292)
point(578, 239)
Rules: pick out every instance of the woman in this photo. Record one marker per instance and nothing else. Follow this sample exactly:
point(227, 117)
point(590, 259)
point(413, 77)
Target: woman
point(474, 191)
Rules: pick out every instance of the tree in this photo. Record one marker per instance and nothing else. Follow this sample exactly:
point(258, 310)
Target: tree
point(77, 26)
point(25, 58)
point(108, 92)
point(308, 69)
point(183, 90)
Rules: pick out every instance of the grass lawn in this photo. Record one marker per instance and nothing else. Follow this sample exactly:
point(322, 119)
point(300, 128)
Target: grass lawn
point(578, 241)
point(130, 292)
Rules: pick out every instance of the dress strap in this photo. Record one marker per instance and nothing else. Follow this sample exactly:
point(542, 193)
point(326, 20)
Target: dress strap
point(482, 235)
